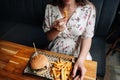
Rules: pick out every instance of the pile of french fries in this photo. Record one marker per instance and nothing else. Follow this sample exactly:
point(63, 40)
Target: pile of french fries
point(61, 70)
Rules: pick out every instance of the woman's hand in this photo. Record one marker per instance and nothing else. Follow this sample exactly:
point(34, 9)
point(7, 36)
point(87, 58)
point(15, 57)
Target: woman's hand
point(60, 24)
point(79, 70)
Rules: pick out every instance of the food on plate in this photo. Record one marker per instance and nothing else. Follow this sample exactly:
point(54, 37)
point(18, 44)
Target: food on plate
point(39, 63)
point(61, 70)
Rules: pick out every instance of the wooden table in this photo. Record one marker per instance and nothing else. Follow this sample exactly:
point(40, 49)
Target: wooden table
point(14, 58)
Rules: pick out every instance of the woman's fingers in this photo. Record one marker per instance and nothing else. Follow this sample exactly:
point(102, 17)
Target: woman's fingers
point(83, 71)
point(74, 71)
point(60, 24)
point(82, 76)
point(79, 71)
point(62, 20)
point(77, 78)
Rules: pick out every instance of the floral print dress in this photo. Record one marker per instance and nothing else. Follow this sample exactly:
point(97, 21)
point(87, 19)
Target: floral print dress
point(80, 25)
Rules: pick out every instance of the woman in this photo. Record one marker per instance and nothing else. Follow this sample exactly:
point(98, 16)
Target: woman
point(69, 25)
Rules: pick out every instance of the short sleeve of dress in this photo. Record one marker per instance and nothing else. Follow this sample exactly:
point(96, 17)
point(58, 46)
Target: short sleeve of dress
point(46, 22)
point(89, 30)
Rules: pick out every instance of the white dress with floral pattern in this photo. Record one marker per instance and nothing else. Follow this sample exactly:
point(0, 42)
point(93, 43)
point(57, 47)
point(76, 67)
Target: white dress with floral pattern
point(80, 25)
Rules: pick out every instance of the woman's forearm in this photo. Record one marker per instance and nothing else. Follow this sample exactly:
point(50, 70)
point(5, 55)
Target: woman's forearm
point(52, 34)
point(85, 47)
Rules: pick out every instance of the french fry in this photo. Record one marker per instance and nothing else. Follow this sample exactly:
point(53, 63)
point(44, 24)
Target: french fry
point(65, 13)
point(63, 74)
point(61, 70)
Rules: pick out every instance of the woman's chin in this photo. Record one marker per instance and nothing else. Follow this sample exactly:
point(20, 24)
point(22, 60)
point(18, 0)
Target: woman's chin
point(67, 2)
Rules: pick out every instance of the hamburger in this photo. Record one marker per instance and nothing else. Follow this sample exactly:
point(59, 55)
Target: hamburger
point(39, 63)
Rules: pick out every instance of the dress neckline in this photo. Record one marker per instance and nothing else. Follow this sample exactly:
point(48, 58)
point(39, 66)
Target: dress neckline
point(63, 16)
